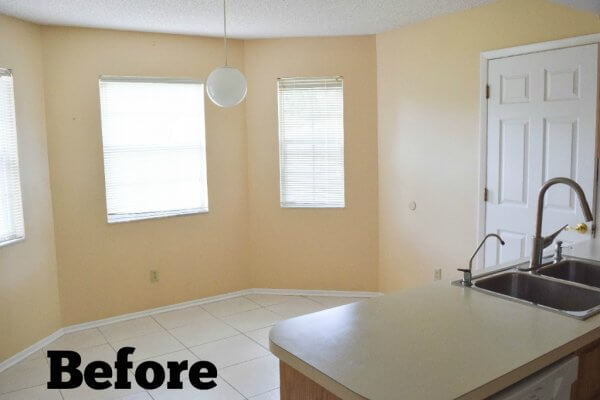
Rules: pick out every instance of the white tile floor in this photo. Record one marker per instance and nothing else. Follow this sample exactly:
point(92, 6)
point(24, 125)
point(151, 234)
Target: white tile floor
point(233, 334)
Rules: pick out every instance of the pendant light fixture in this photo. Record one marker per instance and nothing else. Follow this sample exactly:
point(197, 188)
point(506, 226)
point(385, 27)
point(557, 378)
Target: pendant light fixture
point(226, 86)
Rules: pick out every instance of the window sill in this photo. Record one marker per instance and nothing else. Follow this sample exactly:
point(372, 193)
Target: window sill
point(312, 207)
point(123, 218)
point(12, 241)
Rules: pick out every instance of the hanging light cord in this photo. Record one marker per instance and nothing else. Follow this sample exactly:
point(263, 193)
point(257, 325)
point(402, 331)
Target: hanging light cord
point(225, 28)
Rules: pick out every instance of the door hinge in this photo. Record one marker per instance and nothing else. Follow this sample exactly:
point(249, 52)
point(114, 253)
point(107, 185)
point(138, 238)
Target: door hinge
point(486, 195)
point(487, 91)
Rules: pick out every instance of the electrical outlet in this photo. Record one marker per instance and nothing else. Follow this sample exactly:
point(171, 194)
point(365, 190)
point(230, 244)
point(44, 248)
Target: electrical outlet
point(437, 274)
point(154, 276)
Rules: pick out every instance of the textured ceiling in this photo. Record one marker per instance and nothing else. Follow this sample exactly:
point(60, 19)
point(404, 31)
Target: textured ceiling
point(246, 18)
point(590, 5)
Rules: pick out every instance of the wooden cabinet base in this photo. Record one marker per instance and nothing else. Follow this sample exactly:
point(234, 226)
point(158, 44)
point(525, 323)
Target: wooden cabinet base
point(587, 385)
point(295, 386)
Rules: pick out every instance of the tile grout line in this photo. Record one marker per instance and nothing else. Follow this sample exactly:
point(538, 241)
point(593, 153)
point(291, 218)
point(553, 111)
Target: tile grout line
point(214, 341)
point(189, 349)
point(45, 359)
point(268, 391)
point(256, 341)
point(228, 324)
point(105, 339)
point(135, 336)
point(170, 334)
point(28, 387)
point(241, 332)
point(243, 362)
point(233, 387)
point(20, 390)
point(194, 354)
point(260, 306)
point(250, 300)
point(230, 315)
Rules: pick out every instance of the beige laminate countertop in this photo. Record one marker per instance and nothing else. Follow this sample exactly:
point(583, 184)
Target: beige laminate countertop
point(435, 342)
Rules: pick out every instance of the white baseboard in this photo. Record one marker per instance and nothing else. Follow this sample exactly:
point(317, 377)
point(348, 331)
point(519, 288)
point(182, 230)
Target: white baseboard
point(125, 317)
point(152, 311)
point(20, 356)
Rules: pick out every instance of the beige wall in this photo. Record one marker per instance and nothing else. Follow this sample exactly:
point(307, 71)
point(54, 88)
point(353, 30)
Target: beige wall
point(104, 269)
point(428, 96)
point(308, 248)
point(29, 301)
point(203, 255)
point(418, 83)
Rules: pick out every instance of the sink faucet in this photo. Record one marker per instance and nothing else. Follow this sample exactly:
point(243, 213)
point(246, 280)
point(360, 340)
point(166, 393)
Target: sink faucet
point(540, 242)
point(467, 274)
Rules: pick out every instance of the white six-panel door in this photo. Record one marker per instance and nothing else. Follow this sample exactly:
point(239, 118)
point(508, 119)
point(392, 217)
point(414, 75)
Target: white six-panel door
point(542, 113)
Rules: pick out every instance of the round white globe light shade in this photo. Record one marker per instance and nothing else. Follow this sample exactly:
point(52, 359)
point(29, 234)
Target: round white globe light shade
point(226, 86)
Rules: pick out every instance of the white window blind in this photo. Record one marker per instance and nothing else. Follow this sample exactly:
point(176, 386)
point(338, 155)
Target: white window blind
point(154, 147)
point(311, 142)
point(11, 207)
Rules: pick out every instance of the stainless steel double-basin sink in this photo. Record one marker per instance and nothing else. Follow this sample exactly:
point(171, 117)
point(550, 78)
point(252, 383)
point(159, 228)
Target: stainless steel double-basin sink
point(570, 287)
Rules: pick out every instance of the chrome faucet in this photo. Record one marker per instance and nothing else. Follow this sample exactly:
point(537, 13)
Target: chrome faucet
point(540, 242)
point(467, 274)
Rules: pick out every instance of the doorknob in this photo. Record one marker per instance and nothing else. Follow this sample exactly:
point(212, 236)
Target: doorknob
point(579, 228)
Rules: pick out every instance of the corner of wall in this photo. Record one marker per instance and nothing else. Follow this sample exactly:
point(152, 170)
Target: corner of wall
point(29, 268)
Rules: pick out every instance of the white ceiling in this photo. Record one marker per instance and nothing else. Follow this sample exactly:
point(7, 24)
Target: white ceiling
point(589, 5)
point(246, 18)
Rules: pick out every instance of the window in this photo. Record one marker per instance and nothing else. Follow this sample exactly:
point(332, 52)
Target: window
point(311, 142)
point(154, 147)
point(11, 206)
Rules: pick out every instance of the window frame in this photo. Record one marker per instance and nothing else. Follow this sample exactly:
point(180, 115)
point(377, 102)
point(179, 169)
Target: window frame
point(155, 215)
point(20, 238)
point(315, 206)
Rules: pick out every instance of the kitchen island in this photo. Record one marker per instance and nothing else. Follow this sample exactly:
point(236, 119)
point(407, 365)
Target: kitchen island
point(435, 342)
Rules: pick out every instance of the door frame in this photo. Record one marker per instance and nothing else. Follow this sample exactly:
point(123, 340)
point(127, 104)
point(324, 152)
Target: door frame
point(484, 59)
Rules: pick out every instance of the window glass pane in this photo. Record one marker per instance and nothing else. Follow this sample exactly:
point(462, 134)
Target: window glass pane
point(154, 148)
point(311, 142)
point(11, 207)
